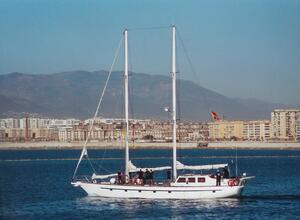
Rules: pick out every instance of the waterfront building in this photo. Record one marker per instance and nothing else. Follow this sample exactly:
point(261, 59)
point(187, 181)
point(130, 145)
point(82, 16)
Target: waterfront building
point(285, 124)
point(10, 123)
point(34, 122)
point(298, 129)
point(140, 130)
point(80, 133)
point(31, 122)
point(2, 124)
point(33, 134)
point(259, 130)
point(2, 134)
point(192, 131)
point(62, 123)
point(225, 130)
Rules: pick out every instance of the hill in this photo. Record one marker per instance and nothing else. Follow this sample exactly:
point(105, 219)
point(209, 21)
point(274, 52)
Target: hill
point(76, 94)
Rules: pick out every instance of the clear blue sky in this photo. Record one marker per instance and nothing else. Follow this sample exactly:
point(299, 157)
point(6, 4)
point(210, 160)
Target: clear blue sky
point(242, 48)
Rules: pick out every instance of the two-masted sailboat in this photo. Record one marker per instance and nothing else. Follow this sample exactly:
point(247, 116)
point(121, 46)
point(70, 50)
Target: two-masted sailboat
point(187, 186)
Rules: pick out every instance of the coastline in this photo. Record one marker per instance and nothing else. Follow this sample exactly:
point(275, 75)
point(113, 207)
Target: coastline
point(55, 145)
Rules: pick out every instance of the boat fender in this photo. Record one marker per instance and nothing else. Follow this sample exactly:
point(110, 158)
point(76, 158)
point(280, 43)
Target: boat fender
point(112, 181)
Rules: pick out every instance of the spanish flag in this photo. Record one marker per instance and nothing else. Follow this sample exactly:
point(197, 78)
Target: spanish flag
point(215, 116)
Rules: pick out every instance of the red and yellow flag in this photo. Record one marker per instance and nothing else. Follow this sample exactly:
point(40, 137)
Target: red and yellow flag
point(215, 116)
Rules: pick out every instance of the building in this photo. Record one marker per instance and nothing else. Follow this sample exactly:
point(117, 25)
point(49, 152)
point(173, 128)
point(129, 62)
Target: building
point(62, 123)
point(285, 124)
point(145, 130)
point(10, 123)
point(259, 130)
point(34, 134)
point(298, 129)
point(2, 134)
point(225, 130)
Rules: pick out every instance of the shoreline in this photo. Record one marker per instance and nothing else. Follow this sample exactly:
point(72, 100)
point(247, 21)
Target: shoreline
point(55, 145)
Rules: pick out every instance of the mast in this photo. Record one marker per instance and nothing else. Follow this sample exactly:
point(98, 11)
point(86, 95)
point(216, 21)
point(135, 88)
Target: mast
point(173, 73)
point(126, 102)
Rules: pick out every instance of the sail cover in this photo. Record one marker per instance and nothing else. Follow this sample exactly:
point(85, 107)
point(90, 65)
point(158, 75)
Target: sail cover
point(94, 176)
point(133, 168)
point(181, 166)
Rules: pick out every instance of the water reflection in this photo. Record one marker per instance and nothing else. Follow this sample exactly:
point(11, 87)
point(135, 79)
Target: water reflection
point(161, 207)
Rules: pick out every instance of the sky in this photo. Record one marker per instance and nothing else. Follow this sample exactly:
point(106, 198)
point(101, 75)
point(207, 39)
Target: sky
point(239, 48)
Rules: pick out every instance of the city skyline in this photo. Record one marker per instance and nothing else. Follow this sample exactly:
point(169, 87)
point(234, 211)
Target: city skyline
point(283, 125)
point(253, 45)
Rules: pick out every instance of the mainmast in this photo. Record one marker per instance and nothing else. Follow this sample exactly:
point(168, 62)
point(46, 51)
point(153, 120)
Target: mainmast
point(126, 102)
point(173, 73)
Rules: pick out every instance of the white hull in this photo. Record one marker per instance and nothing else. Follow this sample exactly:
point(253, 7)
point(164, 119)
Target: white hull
point(159, 192)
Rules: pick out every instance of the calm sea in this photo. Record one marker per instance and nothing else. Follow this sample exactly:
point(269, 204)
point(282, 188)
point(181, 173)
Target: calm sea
point(36, 185)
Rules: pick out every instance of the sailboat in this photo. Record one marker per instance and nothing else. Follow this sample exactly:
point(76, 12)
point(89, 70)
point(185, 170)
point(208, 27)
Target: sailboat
point(187, 186)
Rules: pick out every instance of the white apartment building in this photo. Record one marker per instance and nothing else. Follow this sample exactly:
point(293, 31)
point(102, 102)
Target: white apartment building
point(97, 134)
point(298, 129)
point(32, 123)
point(10, 123)
point(2, 124)
point(62, 123)
point(259, 130)
point(285, 124)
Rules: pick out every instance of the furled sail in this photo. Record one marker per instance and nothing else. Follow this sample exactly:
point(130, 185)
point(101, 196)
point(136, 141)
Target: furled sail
point(133, 168)
point(94, 176)
point(181, 166)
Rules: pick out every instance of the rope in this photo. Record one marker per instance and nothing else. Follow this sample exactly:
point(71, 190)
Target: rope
point(91, 164)
point(205, 100)
point(84, 151)
point(193, 69)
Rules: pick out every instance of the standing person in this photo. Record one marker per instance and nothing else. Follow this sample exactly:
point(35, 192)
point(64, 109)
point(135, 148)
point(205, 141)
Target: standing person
point(147, 175)
point(123, 178)
point(119, 177)
point(141, 176)
point(151, 177)
point(218, 178)
point(225, 173)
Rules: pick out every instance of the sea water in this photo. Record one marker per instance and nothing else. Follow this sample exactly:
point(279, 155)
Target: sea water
point(36, 185)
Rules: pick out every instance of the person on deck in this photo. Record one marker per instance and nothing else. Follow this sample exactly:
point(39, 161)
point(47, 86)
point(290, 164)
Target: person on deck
point(218, 178)
point(225, 173)
point(123, 178)
point(119, 177)
point(151, 177)
point(141, 176)
point(147, 176)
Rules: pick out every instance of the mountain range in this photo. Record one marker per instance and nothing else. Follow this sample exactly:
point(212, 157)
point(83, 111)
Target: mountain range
point(76, 94)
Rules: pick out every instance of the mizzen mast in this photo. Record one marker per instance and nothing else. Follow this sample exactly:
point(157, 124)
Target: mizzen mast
point(126, 102)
